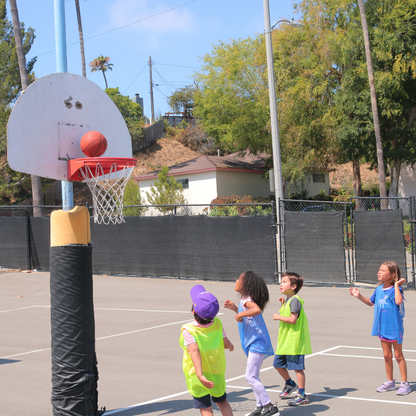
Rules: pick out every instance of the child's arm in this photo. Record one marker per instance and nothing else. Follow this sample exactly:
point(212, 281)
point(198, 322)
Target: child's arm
point(398, 297)
point(228, 344)
point(196, 360)
point(230, 305)
point(356, 293)
point(253, 310)
point(287, 319)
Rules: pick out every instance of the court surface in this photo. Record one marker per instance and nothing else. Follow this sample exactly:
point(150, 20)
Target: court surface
point(138, 322)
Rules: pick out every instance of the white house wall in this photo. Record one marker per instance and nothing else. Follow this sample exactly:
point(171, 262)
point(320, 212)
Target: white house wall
point(202, 187)
point(242, 183)
point(313, 188)
point(407, 181)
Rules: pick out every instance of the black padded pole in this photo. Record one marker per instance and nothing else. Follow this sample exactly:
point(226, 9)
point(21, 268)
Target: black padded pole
point(74, 364)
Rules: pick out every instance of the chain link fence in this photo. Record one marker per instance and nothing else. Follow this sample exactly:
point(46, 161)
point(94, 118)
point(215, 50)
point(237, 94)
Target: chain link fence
point(315, 240)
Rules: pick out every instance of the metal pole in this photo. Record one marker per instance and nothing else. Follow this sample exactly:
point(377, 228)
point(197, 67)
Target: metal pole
point(277, 164)
point(61, 66)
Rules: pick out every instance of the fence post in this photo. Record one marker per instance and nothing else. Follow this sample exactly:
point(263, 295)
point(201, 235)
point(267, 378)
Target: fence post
point(276, 254)
point(28, 231)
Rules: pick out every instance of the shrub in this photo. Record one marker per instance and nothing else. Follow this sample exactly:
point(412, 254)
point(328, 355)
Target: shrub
point(230, 210)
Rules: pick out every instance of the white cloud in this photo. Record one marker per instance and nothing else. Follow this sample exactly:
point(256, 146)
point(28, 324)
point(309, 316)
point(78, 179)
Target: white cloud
point(153, 19)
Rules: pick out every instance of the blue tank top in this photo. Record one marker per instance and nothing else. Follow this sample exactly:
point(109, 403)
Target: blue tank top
point(254, 335)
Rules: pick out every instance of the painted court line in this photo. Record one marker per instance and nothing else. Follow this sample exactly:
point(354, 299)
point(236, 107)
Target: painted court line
point(323, 352)
point(101, 338)
point(25, 307)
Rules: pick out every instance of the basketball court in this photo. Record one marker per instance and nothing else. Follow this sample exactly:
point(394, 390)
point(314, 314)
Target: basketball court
point(137, 322)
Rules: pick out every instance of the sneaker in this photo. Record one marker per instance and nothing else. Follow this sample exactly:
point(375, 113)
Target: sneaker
point(287, 390)
point(298, 400)
point(255, 412)
point(387, 386)
point(270, 409)
point(404, 389)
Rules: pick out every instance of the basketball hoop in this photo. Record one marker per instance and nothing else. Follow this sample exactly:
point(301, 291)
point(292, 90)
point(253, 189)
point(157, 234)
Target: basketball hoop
point(106, 179)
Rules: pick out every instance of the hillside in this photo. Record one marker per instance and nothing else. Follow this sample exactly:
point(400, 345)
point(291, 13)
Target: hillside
point(169, 152)
point(165, 151)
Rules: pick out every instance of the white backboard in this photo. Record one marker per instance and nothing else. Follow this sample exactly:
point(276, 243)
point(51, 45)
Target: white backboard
point(49, 119)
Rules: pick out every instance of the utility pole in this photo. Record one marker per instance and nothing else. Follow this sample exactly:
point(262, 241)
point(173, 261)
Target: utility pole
point(151, 90)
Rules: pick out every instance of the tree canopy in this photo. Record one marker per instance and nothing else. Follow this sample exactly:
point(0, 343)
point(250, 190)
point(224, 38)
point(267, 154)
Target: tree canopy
point(131, 112)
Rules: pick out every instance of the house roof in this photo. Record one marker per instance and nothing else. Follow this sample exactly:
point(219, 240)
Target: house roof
point(232, 162)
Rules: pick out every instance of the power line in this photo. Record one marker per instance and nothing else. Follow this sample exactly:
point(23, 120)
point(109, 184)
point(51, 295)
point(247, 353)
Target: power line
point(129, 24)
point(179, 66)
point(135, 78)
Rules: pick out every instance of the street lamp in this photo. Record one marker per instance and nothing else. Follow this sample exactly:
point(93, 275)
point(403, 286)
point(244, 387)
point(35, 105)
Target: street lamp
point(277, 163)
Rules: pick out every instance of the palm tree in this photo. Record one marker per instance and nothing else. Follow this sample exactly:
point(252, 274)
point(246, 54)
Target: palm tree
point(37, 195)
point(380, 156)
point(81, 38)
point(101, 64)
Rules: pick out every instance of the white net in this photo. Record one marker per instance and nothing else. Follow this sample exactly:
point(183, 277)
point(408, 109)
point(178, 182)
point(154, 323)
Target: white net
point(107, 191)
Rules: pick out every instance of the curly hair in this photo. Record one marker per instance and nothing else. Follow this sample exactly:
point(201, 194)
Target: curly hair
point(253, 285)
point(394, 270)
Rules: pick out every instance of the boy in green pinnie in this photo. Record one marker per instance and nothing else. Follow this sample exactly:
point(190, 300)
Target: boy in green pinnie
point(294, 340)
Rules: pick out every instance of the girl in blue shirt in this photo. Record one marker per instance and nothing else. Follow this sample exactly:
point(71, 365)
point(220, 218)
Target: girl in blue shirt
point(254, 337)
point(387, 300)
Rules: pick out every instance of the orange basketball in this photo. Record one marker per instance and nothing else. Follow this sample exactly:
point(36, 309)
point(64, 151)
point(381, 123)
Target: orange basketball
point(93, 144)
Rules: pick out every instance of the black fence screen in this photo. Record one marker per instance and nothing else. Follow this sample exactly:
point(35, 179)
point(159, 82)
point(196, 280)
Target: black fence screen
point(314, 245)
point(218, 248)
point(378, 238)
point(14, 250)
point(198, 246)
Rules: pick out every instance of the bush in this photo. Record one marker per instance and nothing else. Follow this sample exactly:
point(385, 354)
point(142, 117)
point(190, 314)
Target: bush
point(132, 197)
point(230, 210)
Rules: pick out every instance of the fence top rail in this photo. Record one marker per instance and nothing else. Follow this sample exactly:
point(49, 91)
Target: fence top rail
point(29, 206)
point(310, 201)
point(378, 197)
point(267, 204)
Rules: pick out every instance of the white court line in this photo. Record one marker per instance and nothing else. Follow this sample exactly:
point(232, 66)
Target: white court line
point(25, 307)
point(367, 348)
point(332, 396)
point(101, 338)
point(361, 356)
point(112, 412)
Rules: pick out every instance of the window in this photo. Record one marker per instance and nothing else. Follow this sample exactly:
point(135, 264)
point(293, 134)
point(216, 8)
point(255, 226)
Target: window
point(184, 182)
point(318, 177)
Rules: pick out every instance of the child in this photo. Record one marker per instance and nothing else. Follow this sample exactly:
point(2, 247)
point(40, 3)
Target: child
point(388, 322)
point(294, 340)
point(254, 336)
point(203, 342)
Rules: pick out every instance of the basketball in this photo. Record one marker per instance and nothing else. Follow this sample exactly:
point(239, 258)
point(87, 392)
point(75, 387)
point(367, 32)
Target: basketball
point(93, 144)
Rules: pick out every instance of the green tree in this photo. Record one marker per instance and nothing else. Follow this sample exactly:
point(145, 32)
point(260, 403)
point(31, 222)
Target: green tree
point(102, 63)
point(229, 100)
point(132, 197)
point(131, 112)
point(14, 186)
point(166, 191)
point(182, 100)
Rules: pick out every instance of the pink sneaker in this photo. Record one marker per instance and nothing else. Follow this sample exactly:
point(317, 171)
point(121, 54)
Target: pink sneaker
point(387, 386)
point(404, 389)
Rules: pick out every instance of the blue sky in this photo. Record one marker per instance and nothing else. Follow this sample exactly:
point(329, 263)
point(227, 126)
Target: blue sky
point(175, 33)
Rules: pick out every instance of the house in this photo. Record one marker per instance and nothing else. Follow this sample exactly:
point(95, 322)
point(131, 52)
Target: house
point(407, 181)
point(208, 177)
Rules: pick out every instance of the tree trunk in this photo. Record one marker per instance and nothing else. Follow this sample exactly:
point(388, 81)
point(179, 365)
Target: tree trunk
point(356, 173)
point(105, 79)
point(394, 182)
point(37, 196)
point(81, 39)
point(380, 157)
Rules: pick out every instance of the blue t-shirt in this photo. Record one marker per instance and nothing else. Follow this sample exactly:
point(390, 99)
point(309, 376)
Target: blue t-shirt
point(388, 317)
